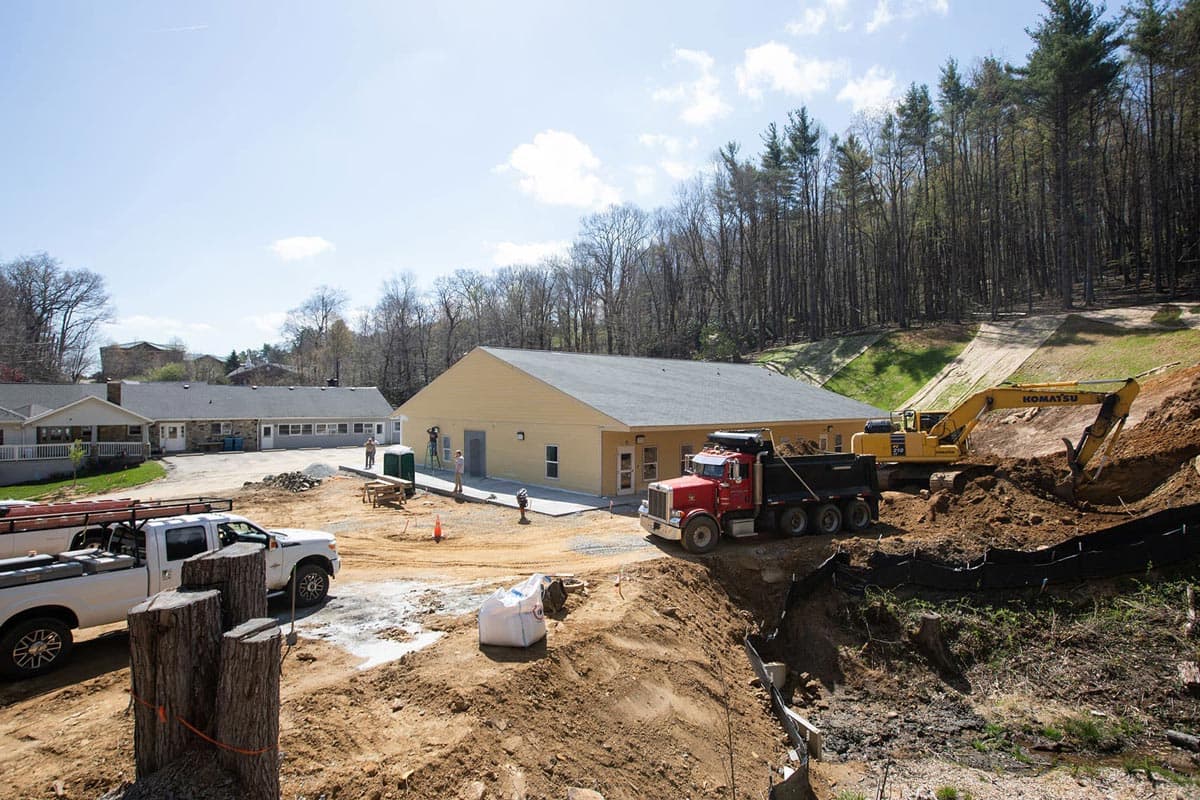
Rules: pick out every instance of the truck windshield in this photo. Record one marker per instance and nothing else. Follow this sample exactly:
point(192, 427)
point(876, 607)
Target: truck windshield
point(709, 470)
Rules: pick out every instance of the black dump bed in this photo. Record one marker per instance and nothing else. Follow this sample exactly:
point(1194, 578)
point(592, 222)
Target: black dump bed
point(828, 475)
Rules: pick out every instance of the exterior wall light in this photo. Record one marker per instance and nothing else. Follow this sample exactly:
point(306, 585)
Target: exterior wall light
point(520, 436)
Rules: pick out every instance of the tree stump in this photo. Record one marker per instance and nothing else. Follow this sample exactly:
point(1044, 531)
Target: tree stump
point(174, 639)
point(239, 572)
point(248, 706)
point(928, 639)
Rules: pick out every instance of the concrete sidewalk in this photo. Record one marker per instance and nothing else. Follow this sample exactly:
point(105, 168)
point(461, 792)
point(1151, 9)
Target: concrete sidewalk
point(542, 500)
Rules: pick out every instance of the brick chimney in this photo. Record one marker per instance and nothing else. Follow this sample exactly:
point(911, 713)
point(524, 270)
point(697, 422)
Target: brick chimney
point(114, 392)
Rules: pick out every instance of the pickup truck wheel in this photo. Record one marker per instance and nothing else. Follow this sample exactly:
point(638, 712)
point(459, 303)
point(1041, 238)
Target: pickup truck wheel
point(793, 521)
point(857, 515)
point(700, 535)
point(311, 584)
point(34, 646)
point(828, 518)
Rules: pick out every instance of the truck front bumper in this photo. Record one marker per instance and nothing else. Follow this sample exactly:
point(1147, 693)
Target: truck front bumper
point(660, 528)
point(336, 563)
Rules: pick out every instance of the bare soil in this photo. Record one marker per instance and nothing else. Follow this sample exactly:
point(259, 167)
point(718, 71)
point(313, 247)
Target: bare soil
point(642, 683)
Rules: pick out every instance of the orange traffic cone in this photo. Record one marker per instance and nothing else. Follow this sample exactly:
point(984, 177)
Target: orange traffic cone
point(437, 528)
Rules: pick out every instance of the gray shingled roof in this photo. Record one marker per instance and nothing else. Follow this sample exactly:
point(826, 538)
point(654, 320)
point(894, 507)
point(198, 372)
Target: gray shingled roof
point(10, 416)
point(210, 401)
point(36, 398)
point(655, 392)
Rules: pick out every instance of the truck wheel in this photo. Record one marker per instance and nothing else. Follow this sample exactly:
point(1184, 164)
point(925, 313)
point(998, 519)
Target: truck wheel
point(857, 515)
point(34, 646)
point(700, 535)
point(793, 521)
point(311, 583)
point(828, 518)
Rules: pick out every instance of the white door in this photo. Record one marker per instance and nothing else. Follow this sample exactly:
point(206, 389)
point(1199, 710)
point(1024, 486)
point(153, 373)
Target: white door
point(625, 470)
point(172, 437)
point(266, 437)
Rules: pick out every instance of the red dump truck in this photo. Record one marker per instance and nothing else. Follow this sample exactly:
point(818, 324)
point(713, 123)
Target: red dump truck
point(739, 486)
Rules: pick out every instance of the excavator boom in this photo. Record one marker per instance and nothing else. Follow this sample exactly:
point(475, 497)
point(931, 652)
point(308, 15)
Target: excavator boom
point(945, 440)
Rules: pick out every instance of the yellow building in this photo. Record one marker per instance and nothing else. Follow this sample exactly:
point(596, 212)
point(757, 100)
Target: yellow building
point(608, 425)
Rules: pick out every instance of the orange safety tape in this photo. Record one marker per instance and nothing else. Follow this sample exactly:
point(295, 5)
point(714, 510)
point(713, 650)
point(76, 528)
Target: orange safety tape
point(162, 717)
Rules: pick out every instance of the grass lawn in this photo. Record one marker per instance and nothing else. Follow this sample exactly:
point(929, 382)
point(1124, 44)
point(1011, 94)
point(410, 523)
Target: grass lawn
point(895, 367)
point(91, 484)
point(1083, 349)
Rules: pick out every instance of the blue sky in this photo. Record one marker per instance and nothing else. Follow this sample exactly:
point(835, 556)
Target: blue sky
point(217, 162)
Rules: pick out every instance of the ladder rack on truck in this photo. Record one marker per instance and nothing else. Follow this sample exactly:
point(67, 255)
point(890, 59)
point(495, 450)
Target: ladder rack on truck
point(89, 513)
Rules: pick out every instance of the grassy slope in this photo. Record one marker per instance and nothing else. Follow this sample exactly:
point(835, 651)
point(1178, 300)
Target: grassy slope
point(1082, 349)
point(91, 484)
point(816, 362)
point(893, 368)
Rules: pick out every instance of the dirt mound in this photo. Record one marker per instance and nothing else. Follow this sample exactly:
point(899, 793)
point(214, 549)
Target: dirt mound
point(627, 696)
point(1153, 450)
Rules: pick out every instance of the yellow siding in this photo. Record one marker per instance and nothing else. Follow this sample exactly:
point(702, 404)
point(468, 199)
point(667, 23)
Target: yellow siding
point(483, 393)
point(668, 445)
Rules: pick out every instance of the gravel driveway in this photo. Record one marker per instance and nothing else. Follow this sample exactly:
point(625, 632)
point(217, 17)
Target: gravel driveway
point(214, 474)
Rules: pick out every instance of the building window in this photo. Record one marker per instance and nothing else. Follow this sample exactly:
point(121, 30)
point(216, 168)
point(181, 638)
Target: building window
point(649, 463)
point(358, 427)
point(446, 454)
point(397, 425)
point(552, 461)
point(320, 428)
point(837, 443)
point(685, 458)
point(134, 430)
point(343, 427)
point(220, 429)
point(379, 428)
point(306, 429)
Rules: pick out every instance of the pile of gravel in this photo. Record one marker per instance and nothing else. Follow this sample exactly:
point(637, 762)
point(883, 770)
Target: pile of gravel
point(194, 776)
point(321, 471)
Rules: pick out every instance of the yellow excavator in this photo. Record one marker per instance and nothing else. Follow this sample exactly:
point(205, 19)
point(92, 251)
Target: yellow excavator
point(914, 446)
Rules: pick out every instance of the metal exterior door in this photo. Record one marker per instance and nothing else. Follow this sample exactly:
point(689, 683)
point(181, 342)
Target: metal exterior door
point(266, 438)
point(476, 453)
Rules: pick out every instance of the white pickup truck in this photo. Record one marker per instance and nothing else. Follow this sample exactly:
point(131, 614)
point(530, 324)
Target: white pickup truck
point(44, 597)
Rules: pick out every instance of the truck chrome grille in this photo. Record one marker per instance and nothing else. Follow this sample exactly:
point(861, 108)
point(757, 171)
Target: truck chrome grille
point(659, 501)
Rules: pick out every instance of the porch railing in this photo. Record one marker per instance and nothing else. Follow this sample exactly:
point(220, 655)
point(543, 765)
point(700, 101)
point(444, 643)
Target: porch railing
point(50, 452)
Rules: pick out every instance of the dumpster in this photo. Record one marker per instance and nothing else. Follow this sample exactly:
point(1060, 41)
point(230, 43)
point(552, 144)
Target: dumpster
point(399, 462)
point(227, 444)
point(239, 443)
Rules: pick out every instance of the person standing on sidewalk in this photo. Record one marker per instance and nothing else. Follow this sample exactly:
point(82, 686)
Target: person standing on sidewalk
point(370, 446)
point(460, 464)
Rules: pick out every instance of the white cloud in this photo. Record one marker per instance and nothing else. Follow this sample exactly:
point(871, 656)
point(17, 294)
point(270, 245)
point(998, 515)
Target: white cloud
point(672, 158)
point(269, 323)
point(810, 23)
point(157, 329)
point(700, 99)
point(294, 248)
point(886, 12)
point(881, 17)
point(773, 66)
point(875, 89)
point(558, 169)
point(644, 179)
point(508, 253)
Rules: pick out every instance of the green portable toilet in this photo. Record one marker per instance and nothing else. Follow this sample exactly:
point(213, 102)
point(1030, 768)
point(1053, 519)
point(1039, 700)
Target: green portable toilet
point(399, 462)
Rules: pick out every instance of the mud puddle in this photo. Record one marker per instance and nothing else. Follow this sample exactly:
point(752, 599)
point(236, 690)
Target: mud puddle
point(381, 621)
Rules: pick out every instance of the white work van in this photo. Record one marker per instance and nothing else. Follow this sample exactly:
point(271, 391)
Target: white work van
point(44, 597)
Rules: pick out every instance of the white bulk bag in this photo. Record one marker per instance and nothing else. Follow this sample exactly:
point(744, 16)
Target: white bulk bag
point(513, 617)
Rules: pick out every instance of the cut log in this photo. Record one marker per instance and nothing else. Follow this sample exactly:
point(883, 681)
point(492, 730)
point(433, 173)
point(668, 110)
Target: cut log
point(928, 638)
point(248, 706)
point(174, 639)
point(1185, 740)
point(239, 572)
